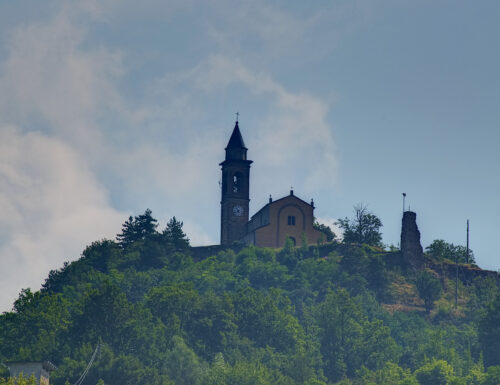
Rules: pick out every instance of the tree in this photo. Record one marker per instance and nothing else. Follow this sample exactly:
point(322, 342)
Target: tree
point(389, 374)
point(249, 373)
point(429, 289)
point(492, 376)
point(378, 277)
point(174, 234)
point(100, 254)
point(218, 371)
point(483, 292)
point(182, 364)
point(444, 250)
point(304, 247)
point(137, 228)
point(180, 301)
point(489, 333)
point(348, 339)
point(262, 319)
point(105, 312)
point(288, 254)
point(326, 230)
point(363, 228)
point(437, 372)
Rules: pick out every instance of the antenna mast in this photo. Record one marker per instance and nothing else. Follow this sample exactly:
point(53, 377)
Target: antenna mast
point(456, 281)
point(467, 255)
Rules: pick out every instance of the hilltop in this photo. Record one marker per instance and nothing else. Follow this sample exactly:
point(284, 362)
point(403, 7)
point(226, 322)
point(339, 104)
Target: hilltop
point(164, 312)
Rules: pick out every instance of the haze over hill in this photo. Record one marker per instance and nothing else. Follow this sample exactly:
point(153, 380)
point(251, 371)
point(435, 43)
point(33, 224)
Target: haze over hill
point(109, 107)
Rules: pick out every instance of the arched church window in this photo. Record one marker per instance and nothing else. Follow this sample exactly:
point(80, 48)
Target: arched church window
point(237, 182)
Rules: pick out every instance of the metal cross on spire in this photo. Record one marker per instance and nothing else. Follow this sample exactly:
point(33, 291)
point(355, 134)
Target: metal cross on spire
point(237, 116)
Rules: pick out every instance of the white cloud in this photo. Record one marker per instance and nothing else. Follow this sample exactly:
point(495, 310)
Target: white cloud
point(55, 80)
point(273, 29)
point(197, 235)
point(293, 141)
point(51, 206)
point(50, 80)
point(283, 33)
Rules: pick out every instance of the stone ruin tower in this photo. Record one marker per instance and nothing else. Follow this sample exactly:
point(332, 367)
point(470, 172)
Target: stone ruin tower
point(411, 249)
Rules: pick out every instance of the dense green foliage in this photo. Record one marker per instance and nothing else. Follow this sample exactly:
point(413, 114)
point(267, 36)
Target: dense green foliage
point(328, 234)
point(363, 228)
point(489, 333)
point(443, 250)
point(18, 381)
point(429, 288)
point(253, 317)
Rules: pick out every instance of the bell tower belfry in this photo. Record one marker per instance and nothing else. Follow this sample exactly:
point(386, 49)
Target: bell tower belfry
point(235, 189)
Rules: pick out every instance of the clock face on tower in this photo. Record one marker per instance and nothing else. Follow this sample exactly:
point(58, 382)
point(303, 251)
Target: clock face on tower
point(237, 211)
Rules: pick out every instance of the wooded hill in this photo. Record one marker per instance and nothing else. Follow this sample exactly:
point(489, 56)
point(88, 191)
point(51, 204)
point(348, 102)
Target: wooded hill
point(337, 313)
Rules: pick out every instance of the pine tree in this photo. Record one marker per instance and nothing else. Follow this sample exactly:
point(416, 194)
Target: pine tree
point(174, 235)
point(137, 228)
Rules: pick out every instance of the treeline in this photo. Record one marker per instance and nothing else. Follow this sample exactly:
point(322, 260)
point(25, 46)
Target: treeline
point(256, 317)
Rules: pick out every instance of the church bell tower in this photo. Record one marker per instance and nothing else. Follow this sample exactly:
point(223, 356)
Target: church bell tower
point(235, 189)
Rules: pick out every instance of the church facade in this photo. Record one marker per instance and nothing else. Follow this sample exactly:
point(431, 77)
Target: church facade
point(289, 216)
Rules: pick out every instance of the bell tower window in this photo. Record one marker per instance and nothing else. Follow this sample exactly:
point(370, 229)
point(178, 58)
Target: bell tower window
point(237, 182)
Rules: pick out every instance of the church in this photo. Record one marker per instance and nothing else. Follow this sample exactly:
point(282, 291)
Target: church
point(289, 216)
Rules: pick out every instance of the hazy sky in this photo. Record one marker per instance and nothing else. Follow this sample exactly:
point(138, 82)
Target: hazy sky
point(110, 107)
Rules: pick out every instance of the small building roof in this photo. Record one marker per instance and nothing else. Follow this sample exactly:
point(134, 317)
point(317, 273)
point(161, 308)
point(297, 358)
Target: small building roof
point(47, 365)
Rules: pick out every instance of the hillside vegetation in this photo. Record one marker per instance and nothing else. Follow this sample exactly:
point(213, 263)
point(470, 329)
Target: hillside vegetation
point(334, 314)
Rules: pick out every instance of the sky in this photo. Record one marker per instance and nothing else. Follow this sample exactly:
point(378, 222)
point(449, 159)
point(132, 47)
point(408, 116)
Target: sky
point(110, 107)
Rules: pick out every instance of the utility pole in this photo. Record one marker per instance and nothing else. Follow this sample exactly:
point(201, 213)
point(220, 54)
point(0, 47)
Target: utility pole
point(467, 256)
point(456, 281)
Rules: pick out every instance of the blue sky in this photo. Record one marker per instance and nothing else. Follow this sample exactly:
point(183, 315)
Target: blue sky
point(111, 107)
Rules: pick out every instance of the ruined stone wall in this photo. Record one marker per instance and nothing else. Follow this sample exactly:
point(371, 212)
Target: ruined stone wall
point(411, 249)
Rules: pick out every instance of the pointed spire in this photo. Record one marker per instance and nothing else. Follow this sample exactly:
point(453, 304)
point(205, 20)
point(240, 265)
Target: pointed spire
point(236, 140)
point(236, 149)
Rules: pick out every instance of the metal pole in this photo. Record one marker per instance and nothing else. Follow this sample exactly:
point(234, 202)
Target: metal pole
point(467, 257)
point(404, 197)
point(456, 281)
